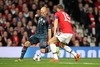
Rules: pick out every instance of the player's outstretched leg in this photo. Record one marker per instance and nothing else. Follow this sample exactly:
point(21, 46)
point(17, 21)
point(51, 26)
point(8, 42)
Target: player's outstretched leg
point(53, 50)
point(24, 49)
point(52, 43)
point(68, 49)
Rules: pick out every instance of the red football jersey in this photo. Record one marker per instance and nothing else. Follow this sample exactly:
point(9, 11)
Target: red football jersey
point(64, 22)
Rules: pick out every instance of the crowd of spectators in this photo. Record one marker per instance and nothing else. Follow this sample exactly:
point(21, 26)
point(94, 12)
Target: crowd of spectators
point(86, 14)
point(17, 22)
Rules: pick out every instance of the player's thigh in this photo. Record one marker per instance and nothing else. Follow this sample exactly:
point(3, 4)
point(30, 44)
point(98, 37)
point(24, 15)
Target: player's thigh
point(33, 39)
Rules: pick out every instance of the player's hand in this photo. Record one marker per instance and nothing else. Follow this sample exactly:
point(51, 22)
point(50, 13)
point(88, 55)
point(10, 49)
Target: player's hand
point(36, 15)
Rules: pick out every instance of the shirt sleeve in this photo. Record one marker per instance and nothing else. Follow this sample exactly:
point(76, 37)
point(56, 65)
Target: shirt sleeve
point(49, 23)
point(56, 16)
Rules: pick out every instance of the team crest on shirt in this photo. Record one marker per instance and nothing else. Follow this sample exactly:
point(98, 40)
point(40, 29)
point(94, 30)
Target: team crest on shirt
point(41, 21)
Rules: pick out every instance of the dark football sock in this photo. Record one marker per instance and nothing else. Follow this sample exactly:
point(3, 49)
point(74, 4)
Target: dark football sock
point(24, 49)
point(47, 49)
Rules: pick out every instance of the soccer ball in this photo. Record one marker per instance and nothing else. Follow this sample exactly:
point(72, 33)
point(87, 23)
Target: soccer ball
point(37, 57)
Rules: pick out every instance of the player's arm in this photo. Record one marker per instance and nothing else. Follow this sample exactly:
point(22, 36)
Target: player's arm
point(36, 18)
point(55, 25)
point(49, 32)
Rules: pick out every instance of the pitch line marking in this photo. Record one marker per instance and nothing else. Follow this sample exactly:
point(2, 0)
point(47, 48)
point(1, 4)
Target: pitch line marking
point(85, 63)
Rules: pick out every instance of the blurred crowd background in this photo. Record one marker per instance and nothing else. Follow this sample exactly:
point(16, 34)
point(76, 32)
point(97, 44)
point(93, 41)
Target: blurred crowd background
point(17, 22)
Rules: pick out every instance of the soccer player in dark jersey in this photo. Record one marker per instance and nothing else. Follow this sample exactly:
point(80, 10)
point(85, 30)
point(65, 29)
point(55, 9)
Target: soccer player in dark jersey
point(62, 20)
point(43, 32)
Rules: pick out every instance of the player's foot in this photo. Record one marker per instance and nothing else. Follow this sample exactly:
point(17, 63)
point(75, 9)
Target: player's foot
point(58, 51)
point(54, 60)
point(18, 60)
point(77, 57)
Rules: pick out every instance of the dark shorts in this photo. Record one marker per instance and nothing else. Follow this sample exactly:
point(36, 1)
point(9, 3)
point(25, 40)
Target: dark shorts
point(37, 39)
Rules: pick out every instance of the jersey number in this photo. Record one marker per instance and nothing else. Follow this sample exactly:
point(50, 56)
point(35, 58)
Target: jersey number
point(66, 17)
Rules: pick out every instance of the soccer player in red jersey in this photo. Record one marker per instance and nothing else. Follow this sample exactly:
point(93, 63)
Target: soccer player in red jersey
point(62, 20)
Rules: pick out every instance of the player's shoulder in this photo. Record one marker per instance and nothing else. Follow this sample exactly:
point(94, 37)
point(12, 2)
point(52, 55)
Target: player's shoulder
point(57, 12)
point(48, 19)
point(60, 12)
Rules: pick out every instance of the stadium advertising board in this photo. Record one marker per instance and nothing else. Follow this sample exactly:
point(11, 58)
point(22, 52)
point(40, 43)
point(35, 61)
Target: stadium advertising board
point(85, 52)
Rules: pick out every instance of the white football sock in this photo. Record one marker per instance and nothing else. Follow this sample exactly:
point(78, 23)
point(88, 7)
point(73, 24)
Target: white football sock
point(53, 50)
point(68, 49)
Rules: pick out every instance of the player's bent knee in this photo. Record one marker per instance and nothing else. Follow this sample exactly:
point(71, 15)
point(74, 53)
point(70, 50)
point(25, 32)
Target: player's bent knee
point(27, 43)
point(48, 42)
point(53, 41)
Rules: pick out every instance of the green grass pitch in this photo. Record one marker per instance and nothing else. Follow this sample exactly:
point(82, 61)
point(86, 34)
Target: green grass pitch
point(64, 62)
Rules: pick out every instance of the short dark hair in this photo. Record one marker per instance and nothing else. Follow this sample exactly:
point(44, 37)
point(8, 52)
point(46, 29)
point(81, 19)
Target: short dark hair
point(59, 6)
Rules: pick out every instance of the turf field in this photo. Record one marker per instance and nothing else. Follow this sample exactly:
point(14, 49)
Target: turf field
point(64, 62)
